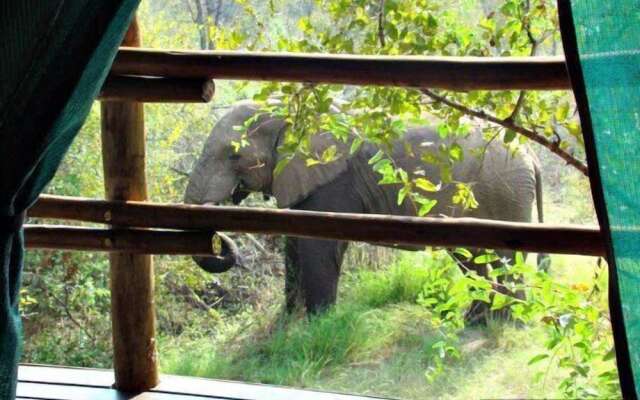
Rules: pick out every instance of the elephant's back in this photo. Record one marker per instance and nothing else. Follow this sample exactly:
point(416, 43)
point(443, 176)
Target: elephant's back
point(503, 179)
point(496, 173)
point(406, 154)
point(481, 159)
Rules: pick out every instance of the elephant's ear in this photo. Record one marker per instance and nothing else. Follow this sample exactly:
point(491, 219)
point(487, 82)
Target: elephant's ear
point(297, 180)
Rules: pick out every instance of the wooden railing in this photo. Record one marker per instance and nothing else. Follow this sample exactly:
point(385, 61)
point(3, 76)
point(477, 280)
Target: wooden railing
point(143, 75)
point(185, 76)
point(150, 89)
point(371, 228)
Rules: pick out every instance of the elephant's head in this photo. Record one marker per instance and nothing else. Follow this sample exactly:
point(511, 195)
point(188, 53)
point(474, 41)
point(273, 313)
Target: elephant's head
point(237, 161)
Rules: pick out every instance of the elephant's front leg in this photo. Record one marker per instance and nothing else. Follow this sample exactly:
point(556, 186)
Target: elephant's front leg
point(312, 273)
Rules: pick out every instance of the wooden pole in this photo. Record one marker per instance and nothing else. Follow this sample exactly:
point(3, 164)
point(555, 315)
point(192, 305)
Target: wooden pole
point(136, 241)
point(376, 229)
point(452, 73)
point(157, 90)
point(132, 303)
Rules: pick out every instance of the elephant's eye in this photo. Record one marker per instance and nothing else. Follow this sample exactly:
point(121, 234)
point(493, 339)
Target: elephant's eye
point(234, 156)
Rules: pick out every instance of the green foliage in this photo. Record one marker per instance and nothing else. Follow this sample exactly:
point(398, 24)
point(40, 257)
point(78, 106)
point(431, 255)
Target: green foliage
point(69, 345)
point(578, 331)
point(402, 282)
point(413, 312)
point(397, 331)
point(577, 334)
point(298, 351)
point(64, 304)
point(379, 114)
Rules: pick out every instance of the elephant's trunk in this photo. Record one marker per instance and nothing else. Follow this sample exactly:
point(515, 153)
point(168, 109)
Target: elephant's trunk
point(229, 257)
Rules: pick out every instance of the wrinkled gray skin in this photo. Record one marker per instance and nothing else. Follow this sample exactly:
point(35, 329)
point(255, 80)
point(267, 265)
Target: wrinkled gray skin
point(504, 184)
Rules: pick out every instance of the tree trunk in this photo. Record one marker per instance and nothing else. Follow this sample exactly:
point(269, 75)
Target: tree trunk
point(199, 19)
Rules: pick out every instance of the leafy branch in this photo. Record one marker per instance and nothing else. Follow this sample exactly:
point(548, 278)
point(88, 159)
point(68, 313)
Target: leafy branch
point(553, 146)
point(509, 122)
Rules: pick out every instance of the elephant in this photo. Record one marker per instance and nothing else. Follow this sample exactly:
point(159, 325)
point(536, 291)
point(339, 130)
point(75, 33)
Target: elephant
point(505, 183)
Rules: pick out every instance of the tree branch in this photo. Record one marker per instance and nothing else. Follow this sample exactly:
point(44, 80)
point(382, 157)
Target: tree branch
point(188, 5)
point(381, 24)
point(534, 47)
point(180, 172)
point(65, 306)
point(216, 21)
point(517, 107)
point(553, 146)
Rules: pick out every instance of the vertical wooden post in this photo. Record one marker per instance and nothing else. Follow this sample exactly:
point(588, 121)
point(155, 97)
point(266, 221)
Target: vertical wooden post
point(132, 304)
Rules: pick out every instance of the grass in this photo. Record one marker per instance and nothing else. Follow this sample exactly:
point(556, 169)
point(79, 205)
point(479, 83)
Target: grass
point(572, 269)
point(378, 340)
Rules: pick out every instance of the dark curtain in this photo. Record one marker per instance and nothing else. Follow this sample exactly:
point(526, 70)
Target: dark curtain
point(54, 57)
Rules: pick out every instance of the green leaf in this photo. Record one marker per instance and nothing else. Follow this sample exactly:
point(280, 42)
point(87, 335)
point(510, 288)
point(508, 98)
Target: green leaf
point(583, 370)
point(574, 129)
point(402, 194)
point(444, 130)
point(562, 112)
point(426, 206)
point(281, 165)
point(500, 301)
point(519, 260)
point(488, 24)
point(551, 344)
point(537, 358)
point(611, 355)
point(497, 272)
point(355, 145)
point(486, 258)
point(446, 173)
point(377, 157)
point(404, 177)
point(329, 154)
point(310, 162)
point(461, 251)
point(455, 152)
point(432, 22)
point(382, 166)
point(304, 24)
point(509, 135)
point(426, 185)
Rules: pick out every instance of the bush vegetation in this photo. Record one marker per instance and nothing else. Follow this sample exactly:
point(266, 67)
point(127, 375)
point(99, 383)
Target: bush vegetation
point(398, 329)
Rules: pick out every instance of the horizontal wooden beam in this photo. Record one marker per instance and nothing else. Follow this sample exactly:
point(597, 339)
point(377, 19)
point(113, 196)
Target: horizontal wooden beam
point(136, 241)
point(157, 89)
point(371, 228)
point(452, 73)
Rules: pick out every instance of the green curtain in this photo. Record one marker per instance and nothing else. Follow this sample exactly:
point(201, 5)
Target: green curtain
point(602, 46)
point(54, 57)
